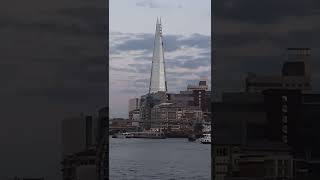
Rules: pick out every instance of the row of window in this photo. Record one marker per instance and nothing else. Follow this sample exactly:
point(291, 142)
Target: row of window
point(284, 119)
point(297, 85)
point(221, 169)
point(221, 152)
point(88, 162)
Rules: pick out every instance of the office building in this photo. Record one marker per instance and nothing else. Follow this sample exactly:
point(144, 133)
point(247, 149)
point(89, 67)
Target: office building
point(77, 134)
point(203, 85)
point(102, 123)
point(80, 165)
point(296, 74)
point(134, 104)
point(158, 72)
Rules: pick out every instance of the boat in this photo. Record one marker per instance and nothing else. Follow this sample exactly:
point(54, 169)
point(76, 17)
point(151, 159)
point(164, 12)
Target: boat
point(149, 135)
point(123, 135)
point(206, 139)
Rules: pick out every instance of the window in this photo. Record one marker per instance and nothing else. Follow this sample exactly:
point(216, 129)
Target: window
point(285, 128)
point(285, 119)
point(285, 108)
point(285, 138)
point(222, 152)
point(284, 98)
point(280, 171)
point(286, 172)
point(218, 152)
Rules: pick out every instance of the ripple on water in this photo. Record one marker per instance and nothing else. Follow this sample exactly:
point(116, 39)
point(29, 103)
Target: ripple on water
point(168, 159)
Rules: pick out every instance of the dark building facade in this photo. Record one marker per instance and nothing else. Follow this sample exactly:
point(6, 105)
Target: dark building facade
point(293, 119)
point(283, 108)
point(202, 99)
point(103, 123)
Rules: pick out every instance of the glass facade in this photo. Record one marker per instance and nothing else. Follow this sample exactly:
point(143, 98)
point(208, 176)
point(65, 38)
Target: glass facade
point(158, 73)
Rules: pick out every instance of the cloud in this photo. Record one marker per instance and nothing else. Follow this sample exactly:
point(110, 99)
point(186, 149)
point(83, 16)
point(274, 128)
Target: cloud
point(141, 68)
point(190, 63)
point(122, 69)
point(187, 58)
point(252, 36)
point(53, 65)
point(157, 4)
point(136, 53)
point(172, 42)
point(57, 49)
point(148, 3)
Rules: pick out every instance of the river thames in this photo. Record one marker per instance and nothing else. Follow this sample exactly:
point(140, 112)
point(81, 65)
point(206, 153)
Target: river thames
point(158, 159)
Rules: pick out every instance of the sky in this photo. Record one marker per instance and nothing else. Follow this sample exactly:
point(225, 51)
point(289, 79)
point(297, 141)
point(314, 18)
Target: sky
point(53, 66)
point(252, 36)
point(186, 26)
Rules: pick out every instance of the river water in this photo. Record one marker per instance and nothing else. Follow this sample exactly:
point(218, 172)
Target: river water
point(158, 159)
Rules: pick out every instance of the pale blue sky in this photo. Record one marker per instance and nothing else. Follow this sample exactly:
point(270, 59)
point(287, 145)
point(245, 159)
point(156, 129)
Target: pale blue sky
point(179, 16)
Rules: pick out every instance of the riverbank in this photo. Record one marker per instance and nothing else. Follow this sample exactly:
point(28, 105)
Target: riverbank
point(175, 134)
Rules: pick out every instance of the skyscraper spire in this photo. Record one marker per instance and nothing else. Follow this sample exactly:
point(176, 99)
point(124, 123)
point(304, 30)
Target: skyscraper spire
point(158, 73)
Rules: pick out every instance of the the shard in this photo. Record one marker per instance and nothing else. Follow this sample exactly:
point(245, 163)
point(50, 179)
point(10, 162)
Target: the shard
point(158, 73)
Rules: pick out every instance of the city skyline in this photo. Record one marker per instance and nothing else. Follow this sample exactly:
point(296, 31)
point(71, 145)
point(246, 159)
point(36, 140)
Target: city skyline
point(187, 48)
point(54, 60)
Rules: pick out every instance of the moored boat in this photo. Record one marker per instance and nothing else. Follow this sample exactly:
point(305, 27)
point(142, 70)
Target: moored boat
point(149, 135)
point(206, 139)
point(123, 135)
